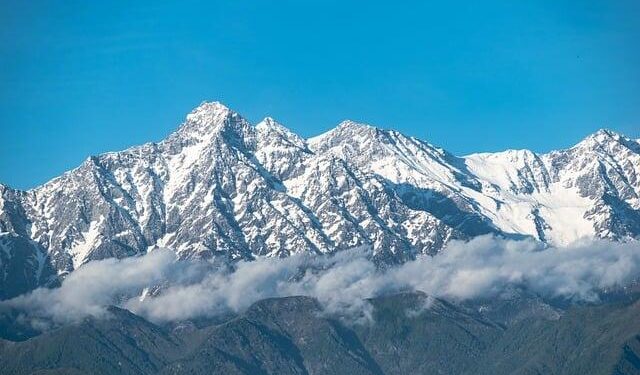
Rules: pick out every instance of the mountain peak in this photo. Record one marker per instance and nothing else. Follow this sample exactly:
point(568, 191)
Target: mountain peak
point(271, 129)
point(605, 135)
point(345, 129)
point(269, 123)
point(269, 120)
point(600, 138)
point(349, 127)
point(353, 125)
point(207, 110)
point(213, 105)
point(209, 118)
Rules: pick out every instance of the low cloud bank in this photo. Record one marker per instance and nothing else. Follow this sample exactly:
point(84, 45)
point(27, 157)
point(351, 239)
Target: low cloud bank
point(482, 267)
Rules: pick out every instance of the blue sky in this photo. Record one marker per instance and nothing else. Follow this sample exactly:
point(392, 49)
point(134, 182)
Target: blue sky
point(81, 78)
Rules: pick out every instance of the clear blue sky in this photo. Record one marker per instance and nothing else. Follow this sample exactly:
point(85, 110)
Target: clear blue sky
point(81, 78)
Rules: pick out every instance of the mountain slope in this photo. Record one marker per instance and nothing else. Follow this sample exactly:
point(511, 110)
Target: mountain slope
point(594, 340)
point(122, 344)
point(409, 333)
point(220, 187)
point(589, 190)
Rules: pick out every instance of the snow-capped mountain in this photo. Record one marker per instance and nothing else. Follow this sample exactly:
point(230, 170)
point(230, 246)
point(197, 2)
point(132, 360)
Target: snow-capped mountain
point(219, 186)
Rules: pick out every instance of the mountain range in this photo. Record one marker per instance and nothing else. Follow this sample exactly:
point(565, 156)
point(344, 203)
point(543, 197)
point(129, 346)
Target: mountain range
point(220, 187)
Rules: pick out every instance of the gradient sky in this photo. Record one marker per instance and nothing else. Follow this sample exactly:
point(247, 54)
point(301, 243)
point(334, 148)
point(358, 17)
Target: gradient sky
point(81, 78)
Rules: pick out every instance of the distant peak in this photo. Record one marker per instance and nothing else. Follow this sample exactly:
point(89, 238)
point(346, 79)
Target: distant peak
point(350, 124)
point(269, 123)
point(602, 136)
point(207, 117)
point(345, 128)
point(513, 155)
point(606, 133)
point(349, 127)
point(208, 108)
point(269, 127)
point(269, 119)
point(523, 152)
point(212, 105)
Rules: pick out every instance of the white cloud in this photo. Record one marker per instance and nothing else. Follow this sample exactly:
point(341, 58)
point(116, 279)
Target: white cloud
point(96, 284)
point(481, 267)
